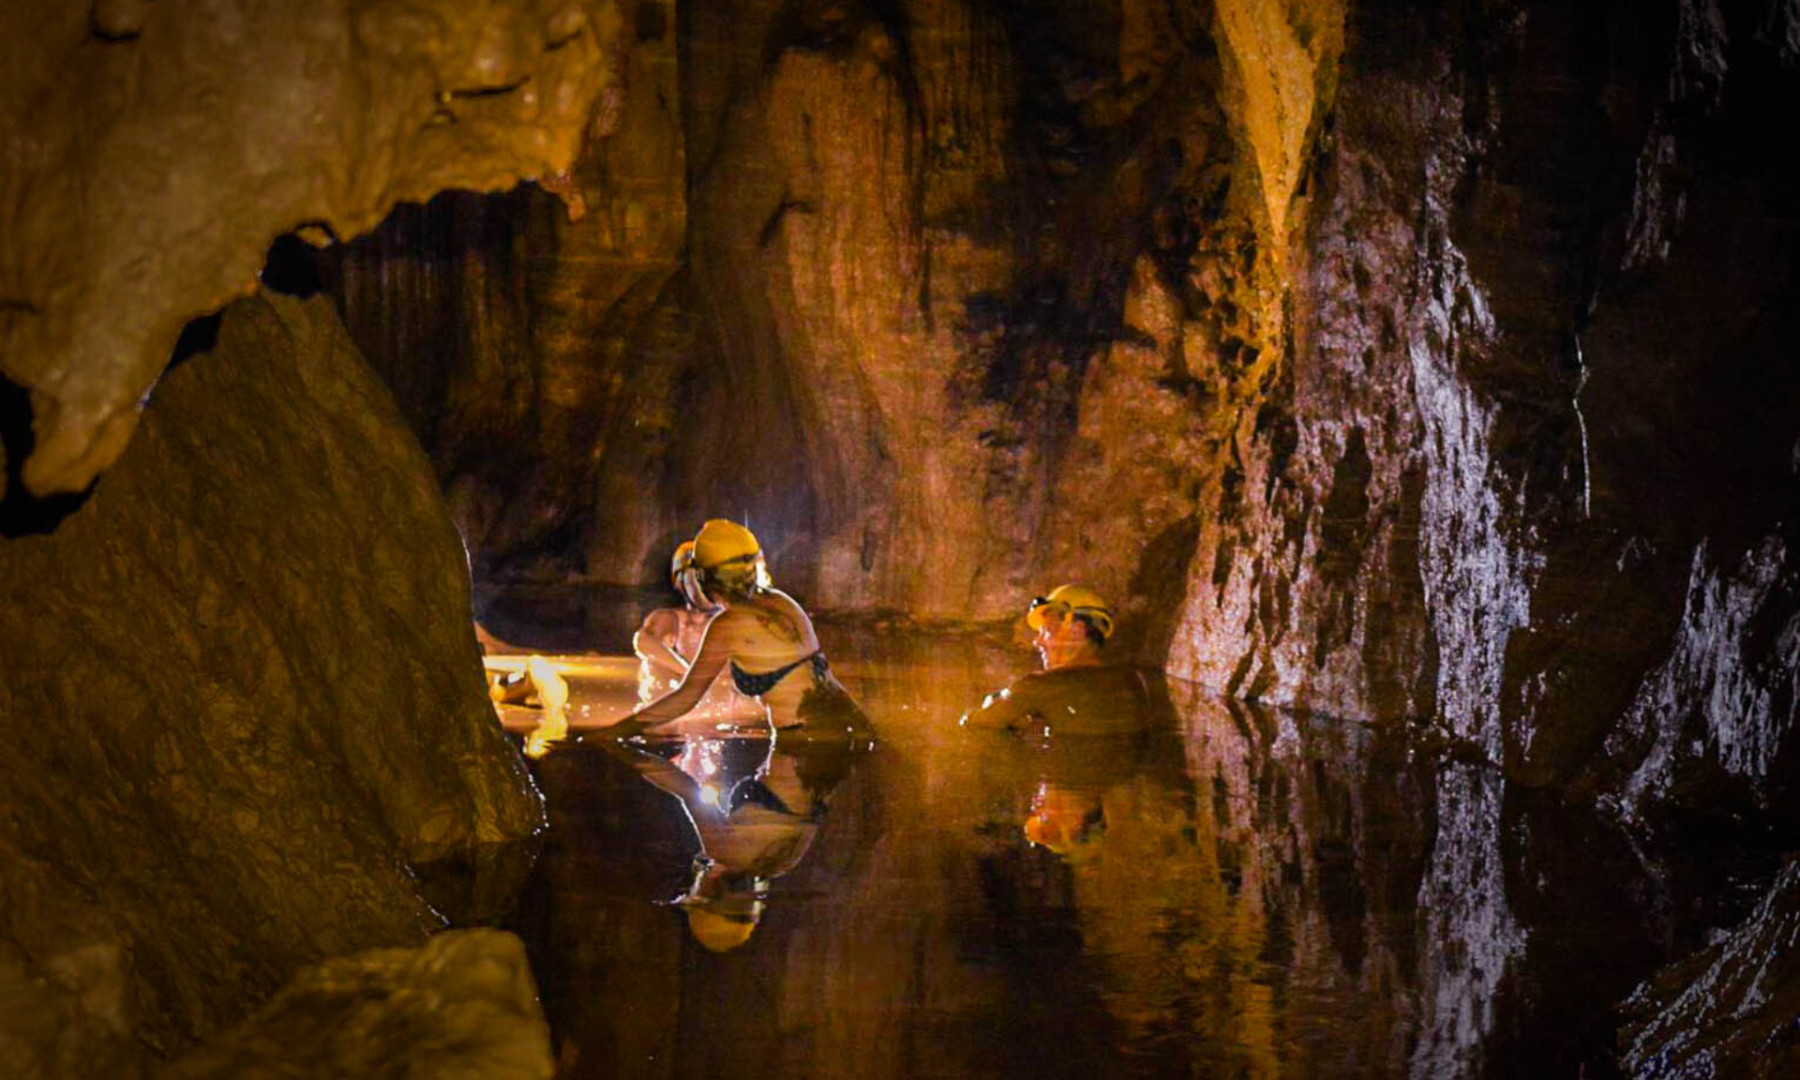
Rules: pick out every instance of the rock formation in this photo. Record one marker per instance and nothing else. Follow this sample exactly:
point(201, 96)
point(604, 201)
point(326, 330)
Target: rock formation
point(245, 723)
point(1728, 1011)
point(156, 150)
point(461, 1006)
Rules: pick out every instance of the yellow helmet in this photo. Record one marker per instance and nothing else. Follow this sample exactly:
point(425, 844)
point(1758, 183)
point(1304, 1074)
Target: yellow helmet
point(683, 560)
point(722, 931)
point(721, 542)
point(1072, 600)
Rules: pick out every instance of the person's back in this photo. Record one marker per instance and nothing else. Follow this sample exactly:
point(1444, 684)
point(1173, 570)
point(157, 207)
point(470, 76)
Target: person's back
point(762, 639)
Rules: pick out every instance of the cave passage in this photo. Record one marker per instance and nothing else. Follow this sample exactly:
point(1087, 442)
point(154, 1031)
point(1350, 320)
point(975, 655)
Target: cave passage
point(1242, 892)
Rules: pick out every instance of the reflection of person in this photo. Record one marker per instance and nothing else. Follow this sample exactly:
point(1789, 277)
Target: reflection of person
point(1065, 820)
point(669, 637)
point(1069, 810)
point(756, 811)
point(760, 636)
point(1077, 693)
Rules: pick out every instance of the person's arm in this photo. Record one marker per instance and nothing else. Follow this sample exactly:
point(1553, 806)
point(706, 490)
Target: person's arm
point(709, 660)
point(1009, 708)
point(650, 642)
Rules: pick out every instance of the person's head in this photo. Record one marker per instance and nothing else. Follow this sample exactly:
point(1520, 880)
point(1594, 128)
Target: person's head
point(1071, 625)
point(729, 559)
point(686, 577)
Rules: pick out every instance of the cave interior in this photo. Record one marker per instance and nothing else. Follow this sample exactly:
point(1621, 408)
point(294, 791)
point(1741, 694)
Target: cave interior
point(1408, 374)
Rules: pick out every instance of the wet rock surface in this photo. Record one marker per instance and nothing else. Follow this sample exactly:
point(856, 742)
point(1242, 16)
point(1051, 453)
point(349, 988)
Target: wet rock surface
point(246, 728)
point(461, 1005)
point(1732, 1009)
point(154, 151)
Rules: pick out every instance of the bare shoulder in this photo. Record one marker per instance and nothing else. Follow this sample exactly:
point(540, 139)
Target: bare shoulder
point(661, 621)
point(779, 616)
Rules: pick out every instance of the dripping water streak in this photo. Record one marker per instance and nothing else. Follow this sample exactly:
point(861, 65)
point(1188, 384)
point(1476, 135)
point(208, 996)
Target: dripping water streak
point(1587, 473)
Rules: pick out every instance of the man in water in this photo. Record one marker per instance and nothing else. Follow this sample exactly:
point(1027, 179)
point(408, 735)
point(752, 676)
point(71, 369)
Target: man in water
point(1078, 692)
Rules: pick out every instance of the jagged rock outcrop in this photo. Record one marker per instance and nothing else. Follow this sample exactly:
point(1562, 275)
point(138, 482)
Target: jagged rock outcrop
point(522, 337)
point(462, 1005)
point(1730, 1010)
point(245, 723)
point(154, 151)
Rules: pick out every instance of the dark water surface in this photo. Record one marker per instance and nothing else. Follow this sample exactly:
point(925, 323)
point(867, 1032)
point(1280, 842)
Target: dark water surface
point(1241, 893)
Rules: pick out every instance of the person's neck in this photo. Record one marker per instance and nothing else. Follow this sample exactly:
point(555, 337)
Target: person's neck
point(1078, 657)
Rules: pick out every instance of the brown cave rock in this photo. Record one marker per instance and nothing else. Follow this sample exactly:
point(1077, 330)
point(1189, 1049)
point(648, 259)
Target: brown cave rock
point(244, 704)
point(158, 149)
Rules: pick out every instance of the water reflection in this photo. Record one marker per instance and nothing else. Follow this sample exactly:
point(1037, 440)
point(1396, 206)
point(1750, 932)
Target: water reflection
point(754, 814)
point(1233, 892)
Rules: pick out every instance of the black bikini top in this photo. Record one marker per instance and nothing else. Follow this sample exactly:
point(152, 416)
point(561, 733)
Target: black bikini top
point(760, 683)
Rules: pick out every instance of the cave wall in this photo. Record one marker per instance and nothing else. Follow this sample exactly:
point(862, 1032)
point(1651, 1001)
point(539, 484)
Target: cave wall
point(246, 728)
point(895, 337)
point(1404, 360)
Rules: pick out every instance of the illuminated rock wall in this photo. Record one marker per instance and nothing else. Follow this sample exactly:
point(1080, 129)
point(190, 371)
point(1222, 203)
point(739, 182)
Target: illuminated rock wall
point(245, 725)
point(897, 337)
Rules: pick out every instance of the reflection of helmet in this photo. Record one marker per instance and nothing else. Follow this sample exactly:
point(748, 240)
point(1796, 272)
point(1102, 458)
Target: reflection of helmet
point(1076, 600)
point(721, 542)
point(1065, 820)
point(723, 909)
point(720, 932)
point(683, 560)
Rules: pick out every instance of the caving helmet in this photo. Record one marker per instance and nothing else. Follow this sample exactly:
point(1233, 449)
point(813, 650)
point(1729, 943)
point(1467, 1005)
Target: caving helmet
point(1067, 821)
point(682, 561)
point(1077, 600)
point(721, 542)
point(728, 553)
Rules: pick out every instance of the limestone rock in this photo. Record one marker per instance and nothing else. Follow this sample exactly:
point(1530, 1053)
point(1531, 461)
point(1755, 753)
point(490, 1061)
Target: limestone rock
point(522, 339)
point(244, 710)
point(1732, 1009)
point(461, 1005)
point(154, 151)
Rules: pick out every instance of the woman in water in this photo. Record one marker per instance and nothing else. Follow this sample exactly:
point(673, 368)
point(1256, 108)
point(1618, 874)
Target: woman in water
point(761, 640)
point(669, 637)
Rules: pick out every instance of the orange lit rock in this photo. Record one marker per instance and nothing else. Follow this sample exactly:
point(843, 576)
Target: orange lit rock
point(245, 721)
point(463, 1004)
point(1283, 73)
point(155, 151)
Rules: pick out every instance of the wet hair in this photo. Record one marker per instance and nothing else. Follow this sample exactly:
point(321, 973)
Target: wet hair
point(734, 580)
point(1093, 630)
